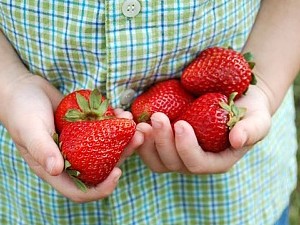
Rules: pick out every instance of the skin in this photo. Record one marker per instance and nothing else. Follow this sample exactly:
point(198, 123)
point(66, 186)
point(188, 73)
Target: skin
point(275, 44)
point(32, 127)
point(28, 116)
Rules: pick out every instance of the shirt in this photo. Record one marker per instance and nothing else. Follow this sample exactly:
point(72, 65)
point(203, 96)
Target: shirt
point(88, 44)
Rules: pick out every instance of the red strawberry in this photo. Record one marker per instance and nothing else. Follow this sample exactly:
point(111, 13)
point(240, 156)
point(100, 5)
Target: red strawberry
point(168, 97)
point(212, 115)
point(93, 148)
point(81, 105)
point(91, 137)
point(221, 70)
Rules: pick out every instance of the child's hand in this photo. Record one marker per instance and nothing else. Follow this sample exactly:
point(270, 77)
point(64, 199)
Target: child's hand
point(164, 152)
point(28, 116)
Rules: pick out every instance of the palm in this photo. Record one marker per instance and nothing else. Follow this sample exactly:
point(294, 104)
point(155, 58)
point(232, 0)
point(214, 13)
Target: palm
point(164, 152)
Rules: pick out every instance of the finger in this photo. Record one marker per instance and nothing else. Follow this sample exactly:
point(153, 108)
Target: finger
point(46, 152)
point(198, 161)
point(120, 113)
point(39, 143)
point(187, 145)
point(135, 142)
point(251, 129)
point(147, 151)
point(65, 185)
point(53, 94)
point(165, 143)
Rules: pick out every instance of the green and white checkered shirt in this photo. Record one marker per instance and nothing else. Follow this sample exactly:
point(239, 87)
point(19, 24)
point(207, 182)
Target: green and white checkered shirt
point(88, 44)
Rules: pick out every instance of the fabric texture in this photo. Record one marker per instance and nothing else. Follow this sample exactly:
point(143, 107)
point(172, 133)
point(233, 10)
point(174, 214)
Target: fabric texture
point(284, 218)
point(88, 44)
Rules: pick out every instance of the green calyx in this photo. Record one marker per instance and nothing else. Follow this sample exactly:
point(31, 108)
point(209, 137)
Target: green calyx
point(55, 138)
point(144, 117)
point(92, 109)
point(235, 113)
point(73, 174)
point(249, 58)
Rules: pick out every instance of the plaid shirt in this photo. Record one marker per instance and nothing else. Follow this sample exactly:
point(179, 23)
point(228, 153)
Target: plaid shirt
point(88, 44)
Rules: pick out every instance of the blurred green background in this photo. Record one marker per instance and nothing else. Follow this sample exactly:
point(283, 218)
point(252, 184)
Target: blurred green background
point(295, 199)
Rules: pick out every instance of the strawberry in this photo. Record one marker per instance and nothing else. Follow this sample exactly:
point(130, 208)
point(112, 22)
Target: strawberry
point(81, 105)
point(212, 115)
point(221, 70)
point(93, 148)
point(168, 97)
point(91, 138)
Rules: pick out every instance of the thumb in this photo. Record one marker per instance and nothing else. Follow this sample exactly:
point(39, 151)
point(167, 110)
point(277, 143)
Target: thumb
point(41, 148)
point(251, 129)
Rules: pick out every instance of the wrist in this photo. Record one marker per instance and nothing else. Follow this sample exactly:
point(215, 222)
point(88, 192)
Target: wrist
point(13, 83)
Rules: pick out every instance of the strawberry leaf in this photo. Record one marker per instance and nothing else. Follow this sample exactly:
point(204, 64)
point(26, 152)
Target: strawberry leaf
point(55, 138)
point(231, 97)
point(235, 113)
point(67, 164)
point(102, 108)
point(95, 99)
point(235, 110)
point(253, 79)
point(251, 65)
point(79, 184)
point(225, 106)
point(73, 173)
point(144, 117)
point(242, 112)
point(248, 56)
point(73, 115)
point(232, 122)
point(82, 103)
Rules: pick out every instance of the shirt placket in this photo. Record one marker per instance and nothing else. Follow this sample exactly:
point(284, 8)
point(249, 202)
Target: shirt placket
point(131, 46)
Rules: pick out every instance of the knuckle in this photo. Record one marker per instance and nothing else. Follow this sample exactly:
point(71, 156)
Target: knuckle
point(77, 199)
point(106, 192)
point(225, 169)
point(34, 148)
point(161, 143)
point(159, 170)
point(173, 167)
point(195, 169)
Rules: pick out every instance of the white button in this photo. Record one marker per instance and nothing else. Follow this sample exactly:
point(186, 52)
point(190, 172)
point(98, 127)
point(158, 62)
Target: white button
point(131, 8)
point(127, 96)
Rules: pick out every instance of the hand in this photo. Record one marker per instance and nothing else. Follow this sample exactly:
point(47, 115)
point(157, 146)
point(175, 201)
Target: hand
point(163, 151)
point(28, 117)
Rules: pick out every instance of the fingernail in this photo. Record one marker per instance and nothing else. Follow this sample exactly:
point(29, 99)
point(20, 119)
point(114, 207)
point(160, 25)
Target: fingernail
point(139, 137)
point(179, 129)
point(117, 177)
point(156, 123)
point(50, 164)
